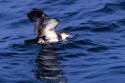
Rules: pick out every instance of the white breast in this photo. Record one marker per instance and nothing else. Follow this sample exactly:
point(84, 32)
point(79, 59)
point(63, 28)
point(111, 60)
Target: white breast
point(50, 32)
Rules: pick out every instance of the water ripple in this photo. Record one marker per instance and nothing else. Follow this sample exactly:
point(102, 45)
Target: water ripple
point(95, 54)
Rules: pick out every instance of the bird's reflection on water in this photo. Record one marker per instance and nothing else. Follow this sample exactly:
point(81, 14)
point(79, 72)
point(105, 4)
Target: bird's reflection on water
point(49, 66)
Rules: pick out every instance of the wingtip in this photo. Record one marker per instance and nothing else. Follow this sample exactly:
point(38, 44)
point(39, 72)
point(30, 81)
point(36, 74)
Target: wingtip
point(57, 20)
point(35, 14)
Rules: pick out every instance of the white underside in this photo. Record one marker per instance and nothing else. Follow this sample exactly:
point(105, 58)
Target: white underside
point(54, 38)
point(50, 33)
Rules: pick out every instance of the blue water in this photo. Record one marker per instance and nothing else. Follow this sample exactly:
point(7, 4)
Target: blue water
point(96, 53)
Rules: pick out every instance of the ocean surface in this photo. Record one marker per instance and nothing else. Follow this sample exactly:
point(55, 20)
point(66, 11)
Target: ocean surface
point(95, 53)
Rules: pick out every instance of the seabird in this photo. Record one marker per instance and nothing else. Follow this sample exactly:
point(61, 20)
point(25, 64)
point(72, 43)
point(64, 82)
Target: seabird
point(45, 27)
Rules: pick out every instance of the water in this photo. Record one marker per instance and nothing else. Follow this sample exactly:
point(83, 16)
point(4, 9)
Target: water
point(96, 54)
